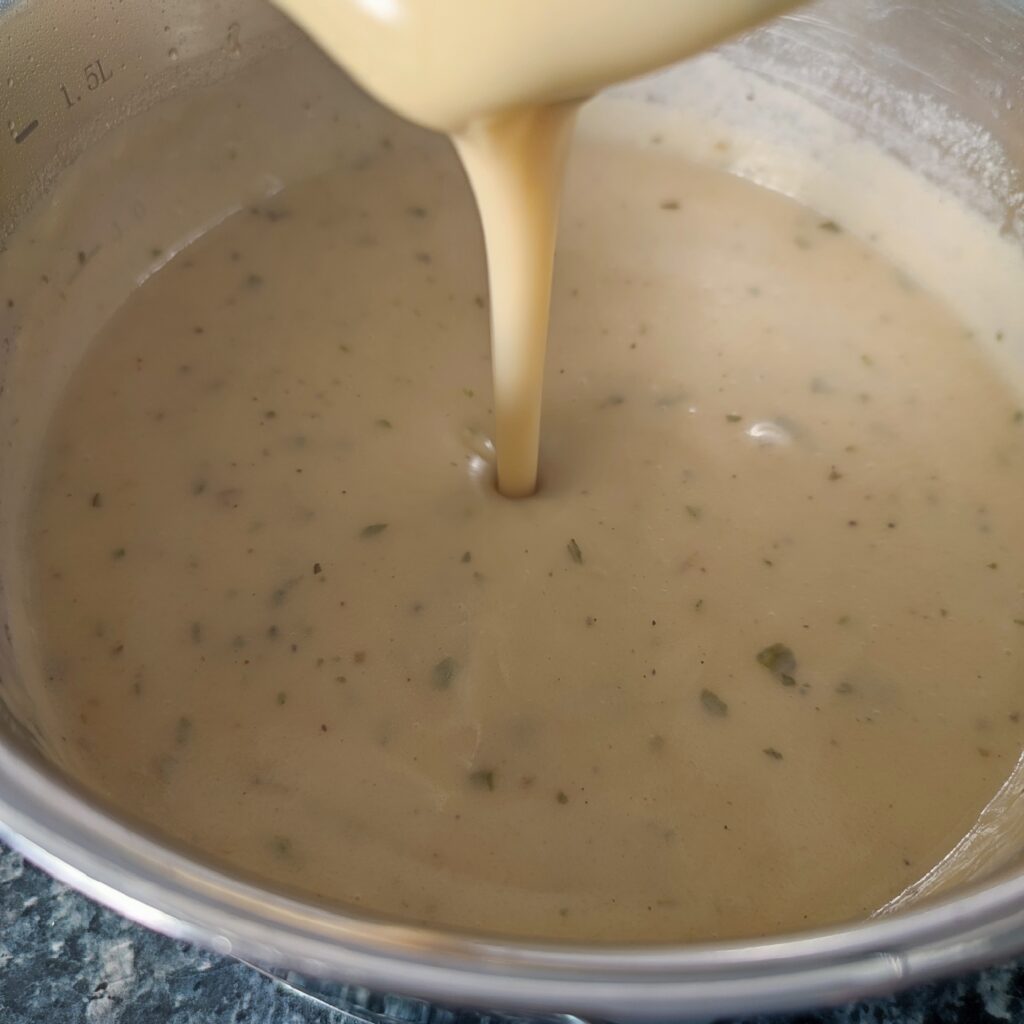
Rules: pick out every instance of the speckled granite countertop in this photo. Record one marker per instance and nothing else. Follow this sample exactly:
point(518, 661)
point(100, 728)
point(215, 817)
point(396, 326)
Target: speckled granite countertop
point(64, 960)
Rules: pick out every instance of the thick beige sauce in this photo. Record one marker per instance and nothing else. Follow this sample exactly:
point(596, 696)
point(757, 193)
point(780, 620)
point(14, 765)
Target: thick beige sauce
point(505, 78)
point(446, 64)
point(749, 660)
point(516, 164)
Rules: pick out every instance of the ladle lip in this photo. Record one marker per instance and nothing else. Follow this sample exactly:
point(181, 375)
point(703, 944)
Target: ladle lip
point(83, 846)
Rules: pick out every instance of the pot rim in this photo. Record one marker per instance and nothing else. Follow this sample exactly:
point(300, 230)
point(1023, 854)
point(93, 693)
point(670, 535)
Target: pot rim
point(138, 877)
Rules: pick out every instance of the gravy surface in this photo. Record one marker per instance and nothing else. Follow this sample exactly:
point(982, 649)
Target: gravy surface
point(505, 79)
point(749, 661)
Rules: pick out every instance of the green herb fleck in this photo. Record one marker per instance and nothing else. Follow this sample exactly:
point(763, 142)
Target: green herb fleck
point(467, 557)
point(830, 226)
point(384, 424)
point(574, 551)
point(834, 474)
point(282, 698)
point(713, 704)
point(483, 778)
point(183, 731)
point(97, 500)
point(373, 530)
point(275, 215)
point(562, 797)
point(317, 568)
point(669, 204)
point(118, 553)
point(845, 687)
point(281, 845)
point(1018, 416)
point(469, 392)
point(668, 401)
point(280, 594)
point(733, 417)
point(693, 511)
point(780, 661)
point(612, 401)
point(773, 753)
point(196, 632)
point(444, 672)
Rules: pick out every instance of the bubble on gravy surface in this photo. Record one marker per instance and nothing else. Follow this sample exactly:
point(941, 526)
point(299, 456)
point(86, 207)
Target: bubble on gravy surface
point(749, 661)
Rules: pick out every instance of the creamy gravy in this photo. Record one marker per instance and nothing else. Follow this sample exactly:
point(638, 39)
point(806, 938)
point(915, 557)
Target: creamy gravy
point(448, 63)
point(516, 163)
point(749, 661)
point(505, 78)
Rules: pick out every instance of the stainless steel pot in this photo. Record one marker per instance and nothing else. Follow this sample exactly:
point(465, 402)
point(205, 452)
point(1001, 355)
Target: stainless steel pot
point(938, 83)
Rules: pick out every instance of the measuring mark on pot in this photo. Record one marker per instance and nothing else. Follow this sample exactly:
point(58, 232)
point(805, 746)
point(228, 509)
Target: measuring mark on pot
point(26, 131)
point(94, 74)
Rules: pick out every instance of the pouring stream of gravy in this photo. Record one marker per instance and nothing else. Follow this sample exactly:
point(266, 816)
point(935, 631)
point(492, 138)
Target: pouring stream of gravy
point(505, 79)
